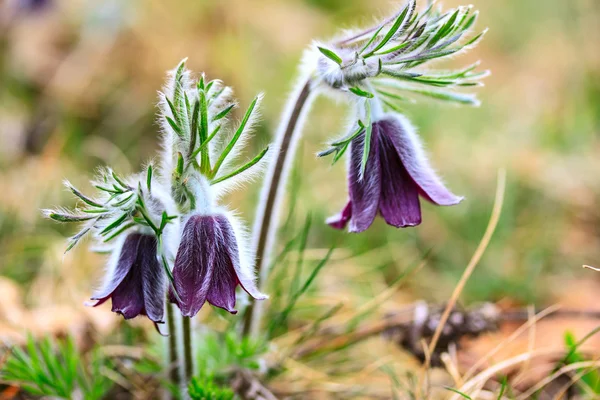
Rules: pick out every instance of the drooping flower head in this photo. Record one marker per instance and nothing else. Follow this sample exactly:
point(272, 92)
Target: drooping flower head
point(200, 144)
point(397, 173)
point(210, 265)
point(136, 281)
point(128, 219)
point(378, 69)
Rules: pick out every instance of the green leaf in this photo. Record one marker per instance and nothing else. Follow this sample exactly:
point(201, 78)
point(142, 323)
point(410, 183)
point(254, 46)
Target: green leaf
point(179, 166)
point(83, 197)
point(430, 81)
point(148, 220)
point(460, 98)
point(209, 85)
point(458, 392)
point(394, 96)
point(243, 168)
point(399, 24)
point(149, 178)
point(119, 231)
point(331, 55)
point(124, 201)
point(367, 144)
point(119, 181)
point(173, 125)
point(327, 152)
point(207, 141)
point(203, 133)
point(180, 68)
point(64, 217)
point(114, 224)
point(351, 136)
point(475, 39)
point(471, 21)
point(223, 113)
point(359, 92)
point(96, 211)
point(235, 137)
point(444, 29)
point(300, 262)
point(282, 318)
point(399, 74)
point(503, 388)
point(426, 55)
point(164, 220)
point(194, 131)
point(171, 107)
point(362, 50)
point(460, 24)
point(401, 46)
point(108, 190)
point(75, 239)
point(340, 152)
point(50, 370)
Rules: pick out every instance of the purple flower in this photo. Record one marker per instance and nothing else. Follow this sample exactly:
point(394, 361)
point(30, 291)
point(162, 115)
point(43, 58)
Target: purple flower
point(209, 266)
point(137, 283)
point(34, 5)
point(396, 173)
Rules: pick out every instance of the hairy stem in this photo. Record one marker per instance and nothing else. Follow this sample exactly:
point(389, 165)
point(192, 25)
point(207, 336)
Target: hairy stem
point(187, 348)
point(267, 213)
point(174, 375)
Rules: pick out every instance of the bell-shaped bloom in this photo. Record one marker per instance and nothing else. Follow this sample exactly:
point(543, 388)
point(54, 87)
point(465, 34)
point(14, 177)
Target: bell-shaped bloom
point(397, 172)
point(136, 283)
point(210, 265)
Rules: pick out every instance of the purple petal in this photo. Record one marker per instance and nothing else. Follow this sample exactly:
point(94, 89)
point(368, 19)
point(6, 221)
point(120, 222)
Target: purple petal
point(128, 297)
point(195, 262)
point(411, 153)
point(244, 277)
point(365, 192)
point(224, 281)
point(127, 258)
point(154, 280)
point(399, 204)
point(222, 290)
point(340, 220)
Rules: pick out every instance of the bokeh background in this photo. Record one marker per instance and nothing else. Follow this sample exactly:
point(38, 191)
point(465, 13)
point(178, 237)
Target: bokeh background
point(78, 88)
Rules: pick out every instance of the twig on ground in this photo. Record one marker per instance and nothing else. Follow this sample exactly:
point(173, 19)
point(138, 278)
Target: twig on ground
point(248, 387)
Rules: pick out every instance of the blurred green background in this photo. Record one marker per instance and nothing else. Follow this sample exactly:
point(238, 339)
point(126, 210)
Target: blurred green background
point(78, 89)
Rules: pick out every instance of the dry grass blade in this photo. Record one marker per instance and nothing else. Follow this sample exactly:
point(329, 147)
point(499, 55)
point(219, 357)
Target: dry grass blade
point(451, 368)
point(342, 340)
point(592, 268)
point(511, 338)
point(491, 372)
point(567, 368)
point(495, 217)
point(575, 379)
point(530, 345)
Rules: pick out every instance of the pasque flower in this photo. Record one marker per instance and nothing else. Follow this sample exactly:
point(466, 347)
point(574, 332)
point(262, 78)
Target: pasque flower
point(143, 213)
point(379, 69)
point(136, 282)
point(396, 174)
point(209, 265)
point(202, 145)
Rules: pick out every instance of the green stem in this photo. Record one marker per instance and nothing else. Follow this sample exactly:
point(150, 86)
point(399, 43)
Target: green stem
point(188, 360)
point(174, 375)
